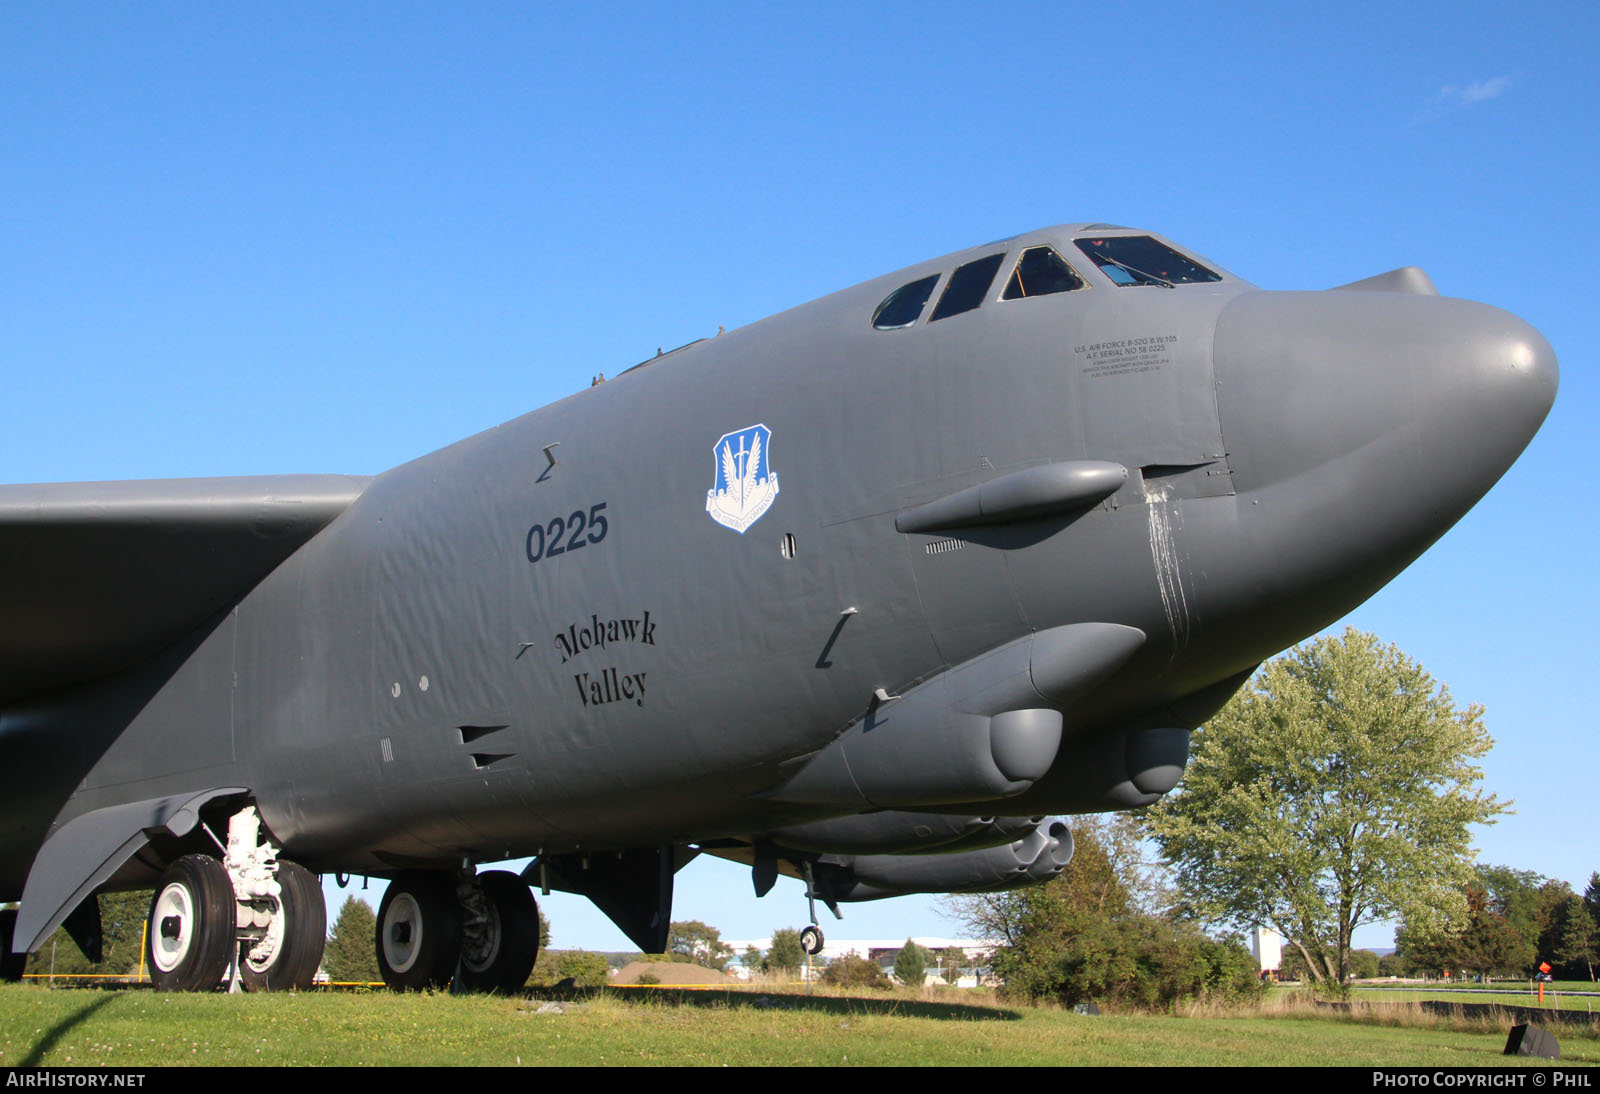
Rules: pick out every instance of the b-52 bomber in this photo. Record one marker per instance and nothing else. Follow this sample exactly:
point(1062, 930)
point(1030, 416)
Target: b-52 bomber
point(864, 593)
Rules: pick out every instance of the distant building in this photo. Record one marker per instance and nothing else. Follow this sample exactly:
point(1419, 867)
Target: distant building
point(883, 951)
point(1266, 946)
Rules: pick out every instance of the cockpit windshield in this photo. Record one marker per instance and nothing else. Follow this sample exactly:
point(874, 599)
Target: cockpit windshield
point(1140, 260)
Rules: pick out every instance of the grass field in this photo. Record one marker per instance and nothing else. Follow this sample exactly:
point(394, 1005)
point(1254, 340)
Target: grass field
point(1553, 1000)
point(88, 1027)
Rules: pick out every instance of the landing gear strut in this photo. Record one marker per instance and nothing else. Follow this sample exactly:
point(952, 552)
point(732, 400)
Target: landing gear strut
point(266, 910)
point(811, 939)
point(286, 957)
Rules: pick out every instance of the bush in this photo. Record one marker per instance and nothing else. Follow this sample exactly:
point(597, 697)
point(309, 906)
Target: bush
point(854, 971)
point(585, 969)
point(1137, 961)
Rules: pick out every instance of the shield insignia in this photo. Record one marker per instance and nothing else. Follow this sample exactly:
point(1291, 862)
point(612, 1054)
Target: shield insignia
point(744, 483)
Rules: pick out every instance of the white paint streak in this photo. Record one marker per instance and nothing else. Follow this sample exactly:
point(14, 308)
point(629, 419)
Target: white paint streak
point(1164, 554)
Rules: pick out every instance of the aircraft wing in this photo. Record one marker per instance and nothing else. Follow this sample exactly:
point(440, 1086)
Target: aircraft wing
point(97, 575)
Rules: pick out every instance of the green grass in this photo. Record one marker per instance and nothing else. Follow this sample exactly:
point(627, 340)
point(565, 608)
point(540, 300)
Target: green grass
point(654, 1027)
point(1553, 1000)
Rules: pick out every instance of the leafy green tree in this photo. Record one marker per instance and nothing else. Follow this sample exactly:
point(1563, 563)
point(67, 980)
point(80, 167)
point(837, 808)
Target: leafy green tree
point(122, 918)
point(1396, 964)
point(1577, 941)
point(1084, 935)
point(1109, 876)
point(698, 944)
point(1519, 896)
point(1550, 917)
point(911, 964)
point(752, 960)
point(1336, 789)
point(786, 954)
point(1363, 964)
point(351, 955)
point(1489, 943)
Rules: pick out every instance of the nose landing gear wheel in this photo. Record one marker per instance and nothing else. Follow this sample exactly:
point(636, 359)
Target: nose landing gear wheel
point(419, 931)
point(499, 937)
point(287, 958)
point(191, 925)
point(811, 940)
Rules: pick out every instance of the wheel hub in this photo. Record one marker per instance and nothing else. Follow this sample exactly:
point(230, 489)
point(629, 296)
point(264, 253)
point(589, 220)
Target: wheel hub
point(175, 914)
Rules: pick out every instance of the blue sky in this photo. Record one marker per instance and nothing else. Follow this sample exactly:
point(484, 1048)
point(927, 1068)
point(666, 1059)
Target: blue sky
point(330, 238)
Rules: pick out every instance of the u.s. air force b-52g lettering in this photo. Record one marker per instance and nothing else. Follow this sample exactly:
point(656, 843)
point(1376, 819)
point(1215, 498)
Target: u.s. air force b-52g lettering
point(1044, 506)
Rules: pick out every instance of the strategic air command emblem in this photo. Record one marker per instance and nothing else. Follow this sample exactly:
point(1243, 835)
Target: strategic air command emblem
point(745, 483)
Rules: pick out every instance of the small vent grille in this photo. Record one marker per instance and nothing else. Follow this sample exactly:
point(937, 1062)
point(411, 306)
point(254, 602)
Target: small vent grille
point(387, 749)
point(940, 546)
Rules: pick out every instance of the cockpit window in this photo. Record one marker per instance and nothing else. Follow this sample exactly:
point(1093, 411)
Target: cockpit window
point(1140, 260)
point(968, 286)
point(901, 307)
point(1040, 272)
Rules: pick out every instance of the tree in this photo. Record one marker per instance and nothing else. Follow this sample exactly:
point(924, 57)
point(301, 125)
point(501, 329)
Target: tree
point(1363, 964)
point(1396, 964)
point(1084, 934)
point(1574, 940)
point(698, 944)
point(1519, 896)
point(350, 955)
point(1335, 790)
point(1550, 917)
point(1484, 941)
point(752, 961)
point(951, 960)
point(911, 964)
point(122, 917)
point(1110, 876)
point(786, 954)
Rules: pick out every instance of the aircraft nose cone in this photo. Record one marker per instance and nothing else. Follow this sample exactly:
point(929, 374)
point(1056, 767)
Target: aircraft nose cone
point(1447, 392)
point(1360, 425)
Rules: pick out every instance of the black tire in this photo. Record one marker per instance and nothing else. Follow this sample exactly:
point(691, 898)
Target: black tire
point(498, 954)
point(191, 926)
point(811, 940)
point(419, 931)
point(12, 964)
point(294, 946)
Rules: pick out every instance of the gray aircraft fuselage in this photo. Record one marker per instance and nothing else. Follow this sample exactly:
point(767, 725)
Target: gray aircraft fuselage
point(492, 653)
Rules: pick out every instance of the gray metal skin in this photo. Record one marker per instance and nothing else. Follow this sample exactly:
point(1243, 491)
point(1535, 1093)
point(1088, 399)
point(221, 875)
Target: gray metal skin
point(399, 692)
